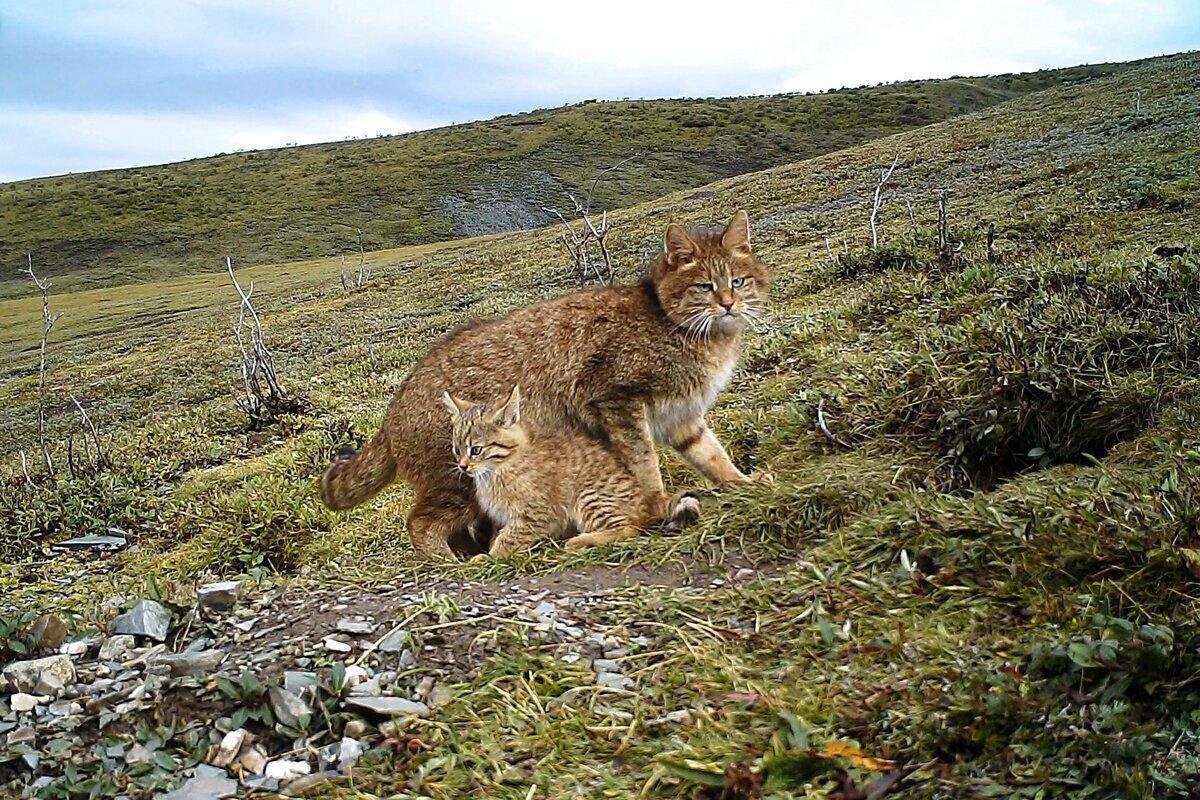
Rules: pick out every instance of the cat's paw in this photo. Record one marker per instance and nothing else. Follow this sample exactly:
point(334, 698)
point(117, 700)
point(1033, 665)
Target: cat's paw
point(580, 542)
point(480, 557)
point(760, 478)
point(684, 511)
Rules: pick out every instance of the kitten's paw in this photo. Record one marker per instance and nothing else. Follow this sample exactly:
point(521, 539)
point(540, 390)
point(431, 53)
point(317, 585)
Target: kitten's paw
point(580, 542)
point(481, 557)
point(760, 478)
point(684, 511)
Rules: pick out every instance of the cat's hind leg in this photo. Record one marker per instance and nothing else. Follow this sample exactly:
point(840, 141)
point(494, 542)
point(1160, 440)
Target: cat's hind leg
point(437, 518)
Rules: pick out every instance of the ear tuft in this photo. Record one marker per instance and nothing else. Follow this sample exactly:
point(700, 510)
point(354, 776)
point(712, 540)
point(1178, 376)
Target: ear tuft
point(454, 405)
point(736, 238)
point(510, 413)
point(678, 247)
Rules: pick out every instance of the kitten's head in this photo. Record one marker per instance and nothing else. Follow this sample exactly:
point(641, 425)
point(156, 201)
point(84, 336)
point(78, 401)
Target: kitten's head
point(485, 434)
point(708, 280)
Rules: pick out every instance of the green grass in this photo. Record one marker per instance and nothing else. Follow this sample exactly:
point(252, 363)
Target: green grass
point(110, 228)
point(993, 583)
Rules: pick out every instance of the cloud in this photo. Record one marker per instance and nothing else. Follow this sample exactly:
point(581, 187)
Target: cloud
point(95, 84)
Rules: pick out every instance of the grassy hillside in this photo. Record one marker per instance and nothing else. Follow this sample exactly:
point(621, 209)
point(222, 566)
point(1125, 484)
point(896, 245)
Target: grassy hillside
point(306, 202)
point(982, 582)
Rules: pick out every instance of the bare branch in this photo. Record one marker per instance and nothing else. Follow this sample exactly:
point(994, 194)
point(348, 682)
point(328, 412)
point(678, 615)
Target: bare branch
point(263, 398)
point(884, 177)
point(825, 428)
point(48, 321)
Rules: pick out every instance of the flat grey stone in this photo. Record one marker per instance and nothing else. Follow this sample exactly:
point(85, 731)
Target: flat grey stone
point(94, 541)
point(389, 706)
point(181, 664)
point(209, 783)
point(220, 596)
point(297, 681)
point(147, 618)
point(289, 708)
point(355, 627)
point(394, 642)
point(613, 680)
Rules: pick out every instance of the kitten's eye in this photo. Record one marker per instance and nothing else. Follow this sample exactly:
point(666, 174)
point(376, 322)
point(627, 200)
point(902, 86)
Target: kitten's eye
point(737, 282)
point(476, 450)
point(705, 287)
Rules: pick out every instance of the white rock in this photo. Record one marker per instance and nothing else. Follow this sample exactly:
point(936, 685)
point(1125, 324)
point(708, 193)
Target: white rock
point(75, 648)
point(22, 702)
point(284, 770)
point(209, 783)
point(220, 596)
point(231, 745)
point(394, 641)
point(679, 717)
point(334, 646)
point(349, 753)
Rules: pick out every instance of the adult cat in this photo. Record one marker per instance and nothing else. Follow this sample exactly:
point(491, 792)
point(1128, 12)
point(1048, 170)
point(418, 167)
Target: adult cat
point(626, 365)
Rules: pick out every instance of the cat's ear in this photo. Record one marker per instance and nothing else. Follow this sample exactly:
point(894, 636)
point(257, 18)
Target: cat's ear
point(678, 247)
point(454, 405)
point(736, 238)
point(510, 413)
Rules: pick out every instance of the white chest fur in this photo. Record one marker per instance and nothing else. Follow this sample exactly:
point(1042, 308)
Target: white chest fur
point(669, 413)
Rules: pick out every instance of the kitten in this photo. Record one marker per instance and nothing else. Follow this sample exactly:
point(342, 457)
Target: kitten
point(550, 486)
point(628, 366)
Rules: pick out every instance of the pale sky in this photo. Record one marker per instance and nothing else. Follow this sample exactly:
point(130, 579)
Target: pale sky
point(95, 85)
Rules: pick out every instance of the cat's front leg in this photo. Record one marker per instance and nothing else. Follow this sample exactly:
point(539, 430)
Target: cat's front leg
point(512, 538)
point(699, 446)
point(625, 426)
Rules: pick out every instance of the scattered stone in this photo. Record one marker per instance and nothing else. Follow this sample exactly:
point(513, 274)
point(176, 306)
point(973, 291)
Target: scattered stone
point(115, 647)
point(43, 676)
point(228, 749)
point(253, 760)
point(679, 717)
point(439, 696)
point(181, 664)
point(48, 632)
point(546, 610)
point(355, 729)
point(76, 648)
point(219, 596)
point(348, 754)
point(94, 541)
point(394, 642)
point(389, 706)
point(605, 665)
point(745, 573)
point(289, 708)
point(301, 786)
point(296, 682)
point(283, 770)
point(209, 783)
point(613, 680)
point(139, 754)
point(354, 627)
point(148, 618)
point(335, 646)
point(22, 702)
point(25, 735)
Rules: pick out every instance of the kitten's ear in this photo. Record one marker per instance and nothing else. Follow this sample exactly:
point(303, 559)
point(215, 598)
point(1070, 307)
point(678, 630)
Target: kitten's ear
point(510, 413)
point(678, 247)
point(454, 405)
point(736, 238)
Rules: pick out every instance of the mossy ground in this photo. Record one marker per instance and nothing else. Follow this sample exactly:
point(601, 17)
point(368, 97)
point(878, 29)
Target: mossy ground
point(991, 581)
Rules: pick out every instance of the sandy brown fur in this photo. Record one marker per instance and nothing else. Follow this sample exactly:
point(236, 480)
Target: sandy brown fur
point(625, 365)
point(550, 485)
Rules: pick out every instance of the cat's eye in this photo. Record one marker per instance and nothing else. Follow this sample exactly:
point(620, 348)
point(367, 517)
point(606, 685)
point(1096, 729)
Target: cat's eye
point(737, 282)
point(476, 450)
point(705, 287)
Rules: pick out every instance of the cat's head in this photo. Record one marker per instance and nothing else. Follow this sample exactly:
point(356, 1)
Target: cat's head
point(709, 281)
point(485, 434)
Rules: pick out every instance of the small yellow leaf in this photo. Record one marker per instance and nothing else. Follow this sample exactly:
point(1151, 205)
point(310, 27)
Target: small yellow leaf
point(854, 754)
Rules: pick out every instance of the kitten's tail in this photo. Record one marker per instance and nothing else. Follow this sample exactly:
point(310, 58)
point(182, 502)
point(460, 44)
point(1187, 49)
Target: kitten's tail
point(354, 478)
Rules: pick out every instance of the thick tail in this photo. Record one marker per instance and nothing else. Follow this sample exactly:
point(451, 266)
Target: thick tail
point(354, 478)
